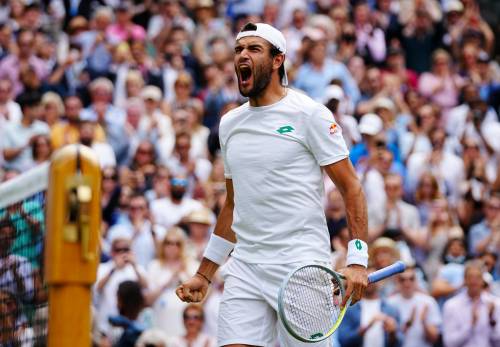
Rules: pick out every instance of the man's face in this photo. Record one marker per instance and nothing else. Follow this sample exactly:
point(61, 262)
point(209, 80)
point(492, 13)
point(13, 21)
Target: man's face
point(253, 64)
point(5, 91)
point(25, 43)
point(407, 282)
point(473, 280)
point(73, 106)
point(393, 187)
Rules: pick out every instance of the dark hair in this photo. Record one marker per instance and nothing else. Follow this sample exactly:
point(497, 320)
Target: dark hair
point(28, 99)
point(131, 299)
point(274, 51)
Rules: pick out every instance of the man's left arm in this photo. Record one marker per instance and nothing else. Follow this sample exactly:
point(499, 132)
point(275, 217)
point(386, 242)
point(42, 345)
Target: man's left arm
point(344, 177)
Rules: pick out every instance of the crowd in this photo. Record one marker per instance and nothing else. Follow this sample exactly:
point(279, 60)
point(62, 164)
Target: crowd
point(413, 85)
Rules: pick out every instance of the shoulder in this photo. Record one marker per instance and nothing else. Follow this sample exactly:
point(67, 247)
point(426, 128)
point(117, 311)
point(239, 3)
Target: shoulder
point(456, 301)
point(299, 100)
point(231, 116)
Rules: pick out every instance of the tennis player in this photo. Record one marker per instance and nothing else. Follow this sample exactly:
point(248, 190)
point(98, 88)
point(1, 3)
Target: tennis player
point(274, 148)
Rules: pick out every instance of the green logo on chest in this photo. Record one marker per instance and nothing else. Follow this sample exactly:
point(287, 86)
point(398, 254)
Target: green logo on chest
point(285, 129)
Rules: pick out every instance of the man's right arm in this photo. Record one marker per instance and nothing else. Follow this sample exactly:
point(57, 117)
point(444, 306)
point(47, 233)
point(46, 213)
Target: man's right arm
point(195, 289)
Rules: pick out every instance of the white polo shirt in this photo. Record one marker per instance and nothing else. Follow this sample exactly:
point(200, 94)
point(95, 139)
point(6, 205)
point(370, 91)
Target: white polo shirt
point(274, 156)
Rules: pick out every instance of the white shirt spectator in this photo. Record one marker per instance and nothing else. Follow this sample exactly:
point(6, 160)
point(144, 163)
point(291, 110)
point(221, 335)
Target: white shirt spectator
point(167, 309)
point(415, 335)
point(168, 214)
point(105, 154)
point(449, 172)
point(374, 337)
point(143, 245)
point(17, 135)
point(202, 340)
point(105, 302)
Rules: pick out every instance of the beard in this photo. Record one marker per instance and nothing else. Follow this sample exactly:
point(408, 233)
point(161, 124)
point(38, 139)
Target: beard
point(262, 78)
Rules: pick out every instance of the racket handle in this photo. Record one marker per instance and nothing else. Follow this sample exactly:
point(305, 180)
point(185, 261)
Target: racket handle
point(387, 271)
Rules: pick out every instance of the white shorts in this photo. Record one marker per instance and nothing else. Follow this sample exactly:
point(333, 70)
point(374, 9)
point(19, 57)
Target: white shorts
point(249, 306)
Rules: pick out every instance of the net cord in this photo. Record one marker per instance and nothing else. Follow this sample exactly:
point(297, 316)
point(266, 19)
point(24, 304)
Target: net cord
point(25, 185)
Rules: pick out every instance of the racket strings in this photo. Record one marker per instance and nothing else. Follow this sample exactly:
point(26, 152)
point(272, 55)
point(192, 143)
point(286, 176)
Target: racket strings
point(311, 301)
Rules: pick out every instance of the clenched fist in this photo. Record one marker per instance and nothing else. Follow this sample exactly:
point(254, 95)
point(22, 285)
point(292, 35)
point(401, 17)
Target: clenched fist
point(193, 290)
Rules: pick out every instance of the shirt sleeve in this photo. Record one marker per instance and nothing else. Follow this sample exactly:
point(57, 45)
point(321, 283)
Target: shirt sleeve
point(227, 171)
point(324, 137)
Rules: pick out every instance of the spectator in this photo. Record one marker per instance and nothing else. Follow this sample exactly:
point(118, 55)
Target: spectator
point(177, 203)
point(67, 131)
point(372, 319)
point(120, 268)
point(124, 29)
point(194, 318)
point(485, 235)
point(442, 86)
point(397, 219)
point(427, 191)
point(470, 318)
point(15, 329)
point(441, 163)
point(419, 312)
point(16, 143)
point(10, 111)
point(110, 117)
point(41, 149)
point(172, 266)
point(130, 303)
point(53, 107)
point(199, 223)
point(105, 153)
point(319, 70)
point(138, 227)
point(450, 275)
point(12, 65)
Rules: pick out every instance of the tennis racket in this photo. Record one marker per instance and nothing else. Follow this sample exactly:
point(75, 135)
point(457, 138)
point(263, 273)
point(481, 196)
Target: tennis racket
point(310, 297)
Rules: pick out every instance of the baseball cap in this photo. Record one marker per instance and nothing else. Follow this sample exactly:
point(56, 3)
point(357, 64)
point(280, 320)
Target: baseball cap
point(151, 92)
point(385, 103)
point(453, 6)
point(370, 124)
point(333, 92)
point(271, 35)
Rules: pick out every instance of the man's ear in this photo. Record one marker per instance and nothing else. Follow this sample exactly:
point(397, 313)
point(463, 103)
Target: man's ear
point(278, 60)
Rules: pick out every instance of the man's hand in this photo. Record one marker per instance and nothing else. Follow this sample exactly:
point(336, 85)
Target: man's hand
point(356, 279)
point(193, 290)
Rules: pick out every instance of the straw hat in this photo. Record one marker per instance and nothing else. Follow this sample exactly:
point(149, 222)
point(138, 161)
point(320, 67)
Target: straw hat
point(202, 216)
point(384, 244)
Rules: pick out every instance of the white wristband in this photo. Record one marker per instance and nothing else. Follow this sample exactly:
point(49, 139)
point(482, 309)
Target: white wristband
point(218, 248)
point(357, 253)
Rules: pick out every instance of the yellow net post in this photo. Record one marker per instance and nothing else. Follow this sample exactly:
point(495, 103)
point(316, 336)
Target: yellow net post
point(72, 244)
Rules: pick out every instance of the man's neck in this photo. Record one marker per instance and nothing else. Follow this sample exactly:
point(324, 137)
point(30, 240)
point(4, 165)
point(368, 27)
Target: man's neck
point(272, 94)
point(26, 121)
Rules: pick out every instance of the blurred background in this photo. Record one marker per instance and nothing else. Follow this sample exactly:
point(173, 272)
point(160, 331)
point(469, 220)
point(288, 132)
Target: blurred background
point(414, 85)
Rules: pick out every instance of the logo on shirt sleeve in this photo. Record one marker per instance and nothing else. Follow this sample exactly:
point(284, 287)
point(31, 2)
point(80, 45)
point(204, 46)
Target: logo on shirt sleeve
point(333, 128)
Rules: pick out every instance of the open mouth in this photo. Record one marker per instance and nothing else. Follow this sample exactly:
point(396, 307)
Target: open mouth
point(245, 74)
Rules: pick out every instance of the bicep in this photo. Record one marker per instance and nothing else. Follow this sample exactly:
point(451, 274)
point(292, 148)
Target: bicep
point(343, 175)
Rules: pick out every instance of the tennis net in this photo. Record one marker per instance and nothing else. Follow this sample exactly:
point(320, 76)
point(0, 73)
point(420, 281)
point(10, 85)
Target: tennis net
point(23, 296)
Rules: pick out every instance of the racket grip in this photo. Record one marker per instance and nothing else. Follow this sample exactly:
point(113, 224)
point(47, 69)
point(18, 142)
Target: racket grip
point(385, 272)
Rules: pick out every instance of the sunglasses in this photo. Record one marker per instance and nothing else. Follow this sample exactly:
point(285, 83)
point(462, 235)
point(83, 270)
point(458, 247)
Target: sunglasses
point(121, 250)
point(192, 317)
point(404, 279)
point(173, 243)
